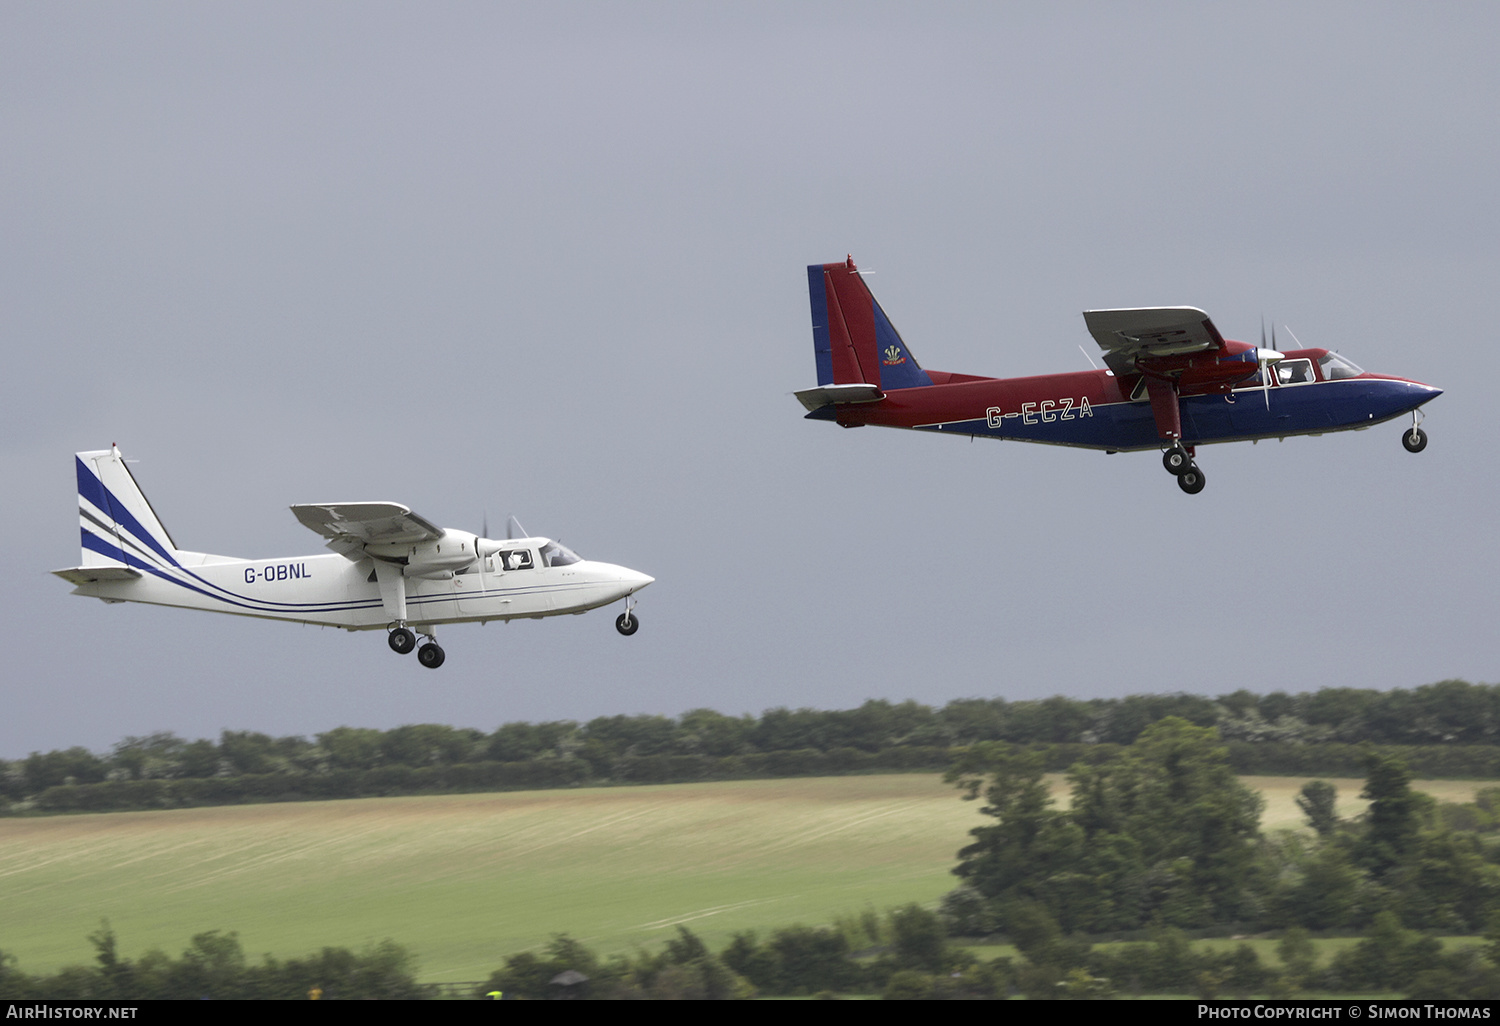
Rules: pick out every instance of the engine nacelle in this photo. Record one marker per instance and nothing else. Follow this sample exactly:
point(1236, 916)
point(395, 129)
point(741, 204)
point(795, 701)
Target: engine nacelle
point(439, 558)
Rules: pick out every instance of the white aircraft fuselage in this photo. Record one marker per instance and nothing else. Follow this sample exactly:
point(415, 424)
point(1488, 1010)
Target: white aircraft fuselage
point(391, 569)
point(331, 591)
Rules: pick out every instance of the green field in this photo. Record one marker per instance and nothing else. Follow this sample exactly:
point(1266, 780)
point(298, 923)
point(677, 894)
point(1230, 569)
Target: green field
point(464, 880)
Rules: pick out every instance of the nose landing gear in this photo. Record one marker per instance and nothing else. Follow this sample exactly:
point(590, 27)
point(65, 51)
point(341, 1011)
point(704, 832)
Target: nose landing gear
point(1414, 440)
point(627, 623)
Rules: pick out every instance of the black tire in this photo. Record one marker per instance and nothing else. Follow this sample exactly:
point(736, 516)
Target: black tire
point(431, 655)
point(1414, 440)
point(627, 624)
point(1176, 460)
point(1191, 480)
point(401, 641)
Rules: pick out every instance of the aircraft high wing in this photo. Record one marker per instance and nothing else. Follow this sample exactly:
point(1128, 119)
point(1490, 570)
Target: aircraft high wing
point(1173, 383)
point(391, 568)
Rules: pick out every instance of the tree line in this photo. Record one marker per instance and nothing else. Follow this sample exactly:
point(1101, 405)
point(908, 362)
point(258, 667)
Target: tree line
point(906, 953)
point(1165, 835)
point(1159, 838)
point(214, 966)
point(1451, 728)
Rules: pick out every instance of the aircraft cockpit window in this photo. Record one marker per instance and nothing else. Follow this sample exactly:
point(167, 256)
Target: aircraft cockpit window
point(554, 554)
point(1336, 367)
point(516, 559)
point(1294, 372)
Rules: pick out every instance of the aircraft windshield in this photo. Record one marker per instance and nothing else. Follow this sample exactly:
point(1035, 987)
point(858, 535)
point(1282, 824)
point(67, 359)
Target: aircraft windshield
point(1336, 367)
point(554, 554)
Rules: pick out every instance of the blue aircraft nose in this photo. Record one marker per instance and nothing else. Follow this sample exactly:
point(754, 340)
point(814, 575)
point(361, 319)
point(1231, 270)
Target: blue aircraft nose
point(1408, 395)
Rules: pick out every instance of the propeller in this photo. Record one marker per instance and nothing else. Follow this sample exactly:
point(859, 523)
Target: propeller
point(1265, 357)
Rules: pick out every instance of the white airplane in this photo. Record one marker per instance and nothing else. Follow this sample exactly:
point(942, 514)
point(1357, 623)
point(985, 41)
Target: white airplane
point(393, 569)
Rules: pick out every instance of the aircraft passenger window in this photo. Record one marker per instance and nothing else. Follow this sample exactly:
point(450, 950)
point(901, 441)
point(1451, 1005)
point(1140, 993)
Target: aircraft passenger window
point(519, 559)
point(1294, 372)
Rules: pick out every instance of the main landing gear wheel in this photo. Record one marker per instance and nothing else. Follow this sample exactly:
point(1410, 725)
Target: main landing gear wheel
point(1191, 479)
point(402, 641)
point(431, 655)
point(1176, 460)
point(627, 624)
point(1414, 440)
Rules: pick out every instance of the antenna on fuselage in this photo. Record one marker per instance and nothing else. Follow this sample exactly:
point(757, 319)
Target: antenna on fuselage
point(513, 529)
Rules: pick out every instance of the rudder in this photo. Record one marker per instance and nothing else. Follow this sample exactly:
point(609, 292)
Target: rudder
point(118, 525)
point(854, 342)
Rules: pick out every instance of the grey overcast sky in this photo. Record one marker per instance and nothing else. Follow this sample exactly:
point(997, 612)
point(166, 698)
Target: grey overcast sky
point(548, 259)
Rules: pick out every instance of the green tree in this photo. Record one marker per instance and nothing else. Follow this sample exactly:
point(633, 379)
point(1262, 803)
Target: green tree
point(1164, 829)
point(212, 966)
point(1173, 796)
point(529, 975)
point(920, 941)
point(1326, 891)
point(1389, 957)
point(908, 985)
point(352, 748)
point(1318, 801)
point(431, 744)
point(249, 752)
point(1391, 821)
point(703, 731)
point(153, 756)
point(1298, 957)
point(73, 766)
point(1011, 859)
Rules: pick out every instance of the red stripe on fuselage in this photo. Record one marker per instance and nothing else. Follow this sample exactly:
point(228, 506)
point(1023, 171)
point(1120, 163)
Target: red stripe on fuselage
point(973, 399)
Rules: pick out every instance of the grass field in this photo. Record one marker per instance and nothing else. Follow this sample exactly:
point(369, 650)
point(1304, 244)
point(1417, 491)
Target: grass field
point(464, 880)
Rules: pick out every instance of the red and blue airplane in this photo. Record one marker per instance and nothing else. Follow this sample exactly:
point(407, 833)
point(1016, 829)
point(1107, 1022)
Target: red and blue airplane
point(1173, 383)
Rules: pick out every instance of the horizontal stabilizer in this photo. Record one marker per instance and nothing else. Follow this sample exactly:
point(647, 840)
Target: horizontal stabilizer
point(826, 395)
point(92, 574)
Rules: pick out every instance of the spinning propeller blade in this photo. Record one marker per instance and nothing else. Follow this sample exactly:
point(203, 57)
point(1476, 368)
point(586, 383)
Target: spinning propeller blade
point(1265, 357)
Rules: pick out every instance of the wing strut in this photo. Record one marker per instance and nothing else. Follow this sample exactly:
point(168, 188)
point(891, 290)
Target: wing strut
point(1164, 407)
point(392, 583)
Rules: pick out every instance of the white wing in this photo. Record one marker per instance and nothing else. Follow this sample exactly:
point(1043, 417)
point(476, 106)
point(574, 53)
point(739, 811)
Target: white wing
point(1128, 335)
point(366, 522)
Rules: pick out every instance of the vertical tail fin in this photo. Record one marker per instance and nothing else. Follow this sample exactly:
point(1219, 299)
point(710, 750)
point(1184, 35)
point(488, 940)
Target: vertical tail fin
point(854, 341)
point(119, 526)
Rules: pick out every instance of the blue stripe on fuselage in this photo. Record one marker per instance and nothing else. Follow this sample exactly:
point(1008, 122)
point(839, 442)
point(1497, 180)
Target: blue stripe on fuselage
point(1294, 410)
